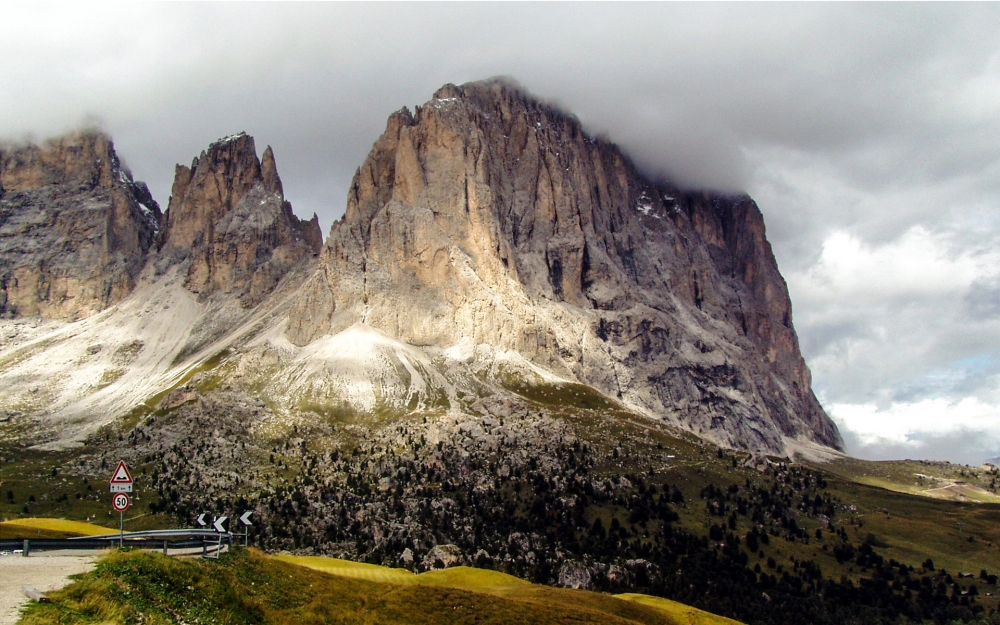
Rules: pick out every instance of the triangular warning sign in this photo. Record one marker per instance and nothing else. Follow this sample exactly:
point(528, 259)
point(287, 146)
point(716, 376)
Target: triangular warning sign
point(121, 474)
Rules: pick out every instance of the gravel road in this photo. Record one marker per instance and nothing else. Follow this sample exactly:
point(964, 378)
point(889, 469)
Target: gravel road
point(44, 572)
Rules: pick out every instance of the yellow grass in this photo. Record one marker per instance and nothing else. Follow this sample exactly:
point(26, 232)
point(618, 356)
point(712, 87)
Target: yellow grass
point(247, 586)
point(501, 585)
point(469, 578)
point(464, 577)
point(681, 613)
point(355, 570)
point(38, 528)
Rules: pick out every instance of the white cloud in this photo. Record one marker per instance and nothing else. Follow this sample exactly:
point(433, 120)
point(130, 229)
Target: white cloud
point(899, 422)
point(903, 338)
point(884, 322)
point(916, 266)
point(937, 429)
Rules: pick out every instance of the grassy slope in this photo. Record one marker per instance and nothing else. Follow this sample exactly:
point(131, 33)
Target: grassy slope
point(903, 503)
point(680, 612)
point(455, 577)
point(936, 480)
point(354, 570)
point(912, 527)
point(470, 578)
point(494, 583)
point(248, 587)
point(49, 528)
point(909, 524)
point(34, 485)
point(961, 537)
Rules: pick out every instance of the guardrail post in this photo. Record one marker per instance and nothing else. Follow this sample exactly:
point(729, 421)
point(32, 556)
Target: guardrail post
point(204, 548)
point(27, 548)
point(164, 547)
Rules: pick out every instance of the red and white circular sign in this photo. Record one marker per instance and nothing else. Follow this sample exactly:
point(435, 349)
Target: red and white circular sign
point(120, 502)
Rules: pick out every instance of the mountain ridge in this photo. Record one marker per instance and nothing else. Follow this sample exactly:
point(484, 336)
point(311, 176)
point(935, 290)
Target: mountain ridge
point(489, 245)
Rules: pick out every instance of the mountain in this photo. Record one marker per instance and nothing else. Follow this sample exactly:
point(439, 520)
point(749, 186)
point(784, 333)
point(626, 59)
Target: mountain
point(228, 254)
point(75, 228)
point(488, 218)
point(515, 351)
point(491, 253)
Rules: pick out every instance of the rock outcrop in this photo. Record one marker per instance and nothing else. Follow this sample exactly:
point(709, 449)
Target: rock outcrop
point(491, 218)
point(229, 221)
point(75, 229)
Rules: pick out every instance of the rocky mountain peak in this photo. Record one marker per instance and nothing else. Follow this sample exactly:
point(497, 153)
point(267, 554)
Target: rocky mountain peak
point(229, 222)
point(85, 157)
point(269, 172)
point(75, 228)
point(488, 217)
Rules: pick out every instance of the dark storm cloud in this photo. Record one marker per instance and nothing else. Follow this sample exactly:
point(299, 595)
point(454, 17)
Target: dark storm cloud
point(862, 130)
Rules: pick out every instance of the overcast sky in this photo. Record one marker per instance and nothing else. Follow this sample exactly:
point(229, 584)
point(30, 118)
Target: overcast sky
point(868, 134)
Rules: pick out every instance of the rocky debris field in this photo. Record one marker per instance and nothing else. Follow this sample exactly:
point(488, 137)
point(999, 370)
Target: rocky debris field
point(578, 498)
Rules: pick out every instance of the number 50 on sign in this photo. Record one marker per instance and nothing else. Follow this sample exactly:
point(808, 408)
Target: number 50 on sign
point(121, 502)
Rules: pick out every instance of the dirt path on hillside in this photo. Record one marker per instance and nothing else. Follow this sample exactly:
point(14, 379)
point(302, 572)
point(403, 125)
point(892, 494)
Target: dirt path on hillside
point(45, 573)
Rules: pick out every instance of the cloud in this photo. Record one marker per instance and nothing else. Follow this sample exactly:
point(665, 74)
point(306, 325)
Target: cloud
point(685, 88)
point(932, 429)
point(892, 321)
point(866, 132)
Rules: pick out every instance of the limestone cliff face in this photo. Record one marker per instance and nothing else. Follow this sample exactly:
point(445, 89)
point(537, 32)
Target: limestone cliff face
point(228, 219)
point(491, 218)
point(75, 228)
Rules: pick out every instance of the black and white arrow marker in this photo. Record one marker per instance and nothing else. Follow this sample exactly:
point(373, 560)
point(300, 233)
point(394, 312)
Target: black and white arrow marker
point(245, 517)
point(201, 519)
point(217, 524)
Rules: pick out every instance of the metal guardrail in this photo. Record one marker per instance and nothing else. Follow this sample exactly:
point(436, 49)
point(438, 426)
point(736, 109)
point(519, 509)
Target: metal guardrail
point(208, 540)
point(51, 544)
point(175, 533)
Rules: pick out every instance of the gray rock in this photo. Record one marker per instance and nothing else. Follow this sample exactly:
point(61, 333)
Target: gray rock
point(442, 557)
point(575, 574)
point(229, 220)
point(407, 556)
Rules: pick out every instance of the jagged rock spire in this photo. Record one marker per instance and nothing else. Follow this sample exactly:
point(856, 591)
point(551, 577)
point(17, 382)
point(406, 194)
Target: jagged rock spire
point(229, 221)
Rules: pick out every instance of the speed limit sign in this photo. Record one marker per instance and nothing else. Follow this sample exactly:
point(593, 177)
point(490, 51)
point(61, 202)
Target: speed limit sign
point(120, 502)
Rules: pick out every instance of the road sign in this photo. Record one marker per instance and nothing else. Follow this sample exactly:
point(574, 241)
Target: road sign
point(201, 519)
point(121, 479)
point(217, 524)
point(121, 502)
point(245, 520)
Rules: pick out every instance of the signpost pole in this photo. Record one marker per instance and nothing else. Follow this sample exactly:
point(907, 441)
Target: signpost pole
point(245, 520)
point(121, 485)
